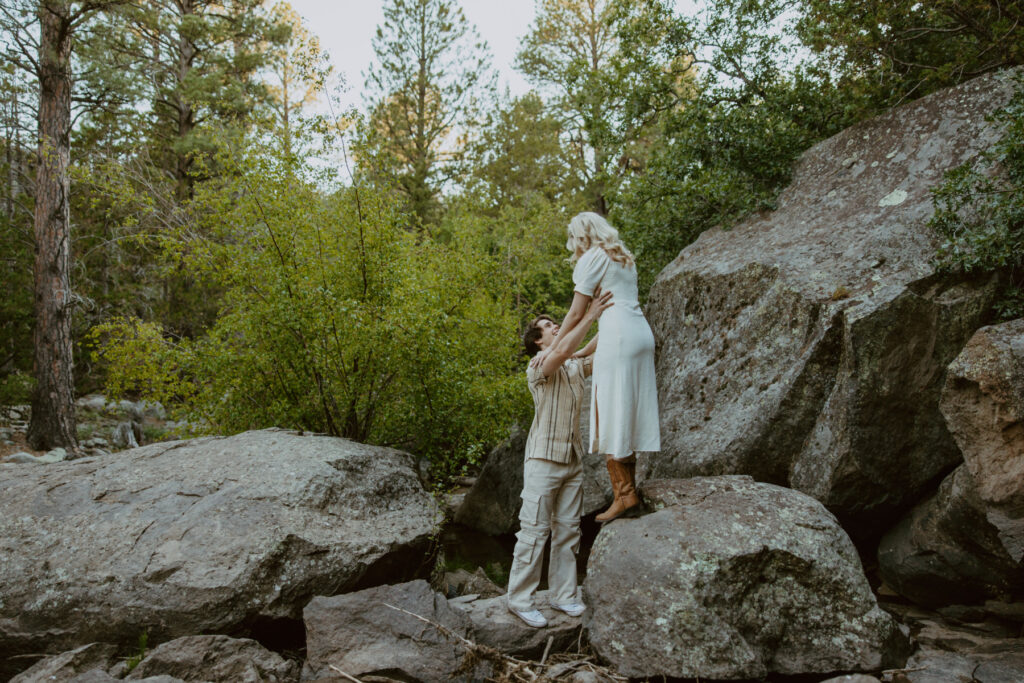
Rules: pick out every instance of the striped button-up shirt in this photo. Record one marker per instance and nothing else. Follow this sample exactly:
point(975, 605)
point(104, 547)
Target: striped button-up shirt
point(555, 432)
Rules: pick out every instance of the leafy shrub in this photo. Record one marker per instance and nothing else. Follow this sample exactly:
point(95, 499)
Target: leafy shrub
point(979, 209)
point(336, 318)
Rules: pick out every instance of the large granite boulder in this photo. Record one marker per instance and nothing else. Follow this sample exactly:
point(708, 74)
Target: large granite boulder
point(492, 504)
point(210, 535)
point(403, 632)
point(983, 403)
point(729, 579)
point(807, 346)
point(946, 551)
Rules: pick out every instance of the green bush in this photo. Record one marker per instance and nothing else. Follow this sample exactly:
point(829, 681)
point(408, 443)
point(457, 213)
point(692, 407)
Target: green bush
point(336, 318)
point(979, 210)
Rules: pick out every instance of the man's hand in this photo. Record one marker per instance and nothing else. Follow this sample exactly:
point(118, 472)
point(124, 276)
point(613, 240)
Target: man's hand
point(599, 303)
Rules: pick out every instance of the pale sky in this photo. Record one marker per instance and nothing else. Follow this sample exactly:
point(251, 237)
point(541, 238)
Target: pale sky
point(346, 29)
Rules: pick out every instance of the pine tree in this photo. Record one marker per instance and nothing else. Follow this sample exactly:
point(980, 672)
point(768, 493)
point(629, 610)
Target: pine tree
point(423, 96)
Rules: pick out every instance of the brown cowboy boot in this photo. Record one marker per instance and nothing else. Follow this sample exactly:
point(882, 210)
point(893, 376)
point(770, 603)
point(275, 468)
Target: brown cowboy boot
point(622, 486)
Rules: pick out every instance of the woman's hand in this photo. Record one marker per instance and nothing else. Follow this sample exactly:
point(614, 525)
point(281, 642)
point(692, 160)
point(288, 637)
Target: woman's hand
point(539, 358)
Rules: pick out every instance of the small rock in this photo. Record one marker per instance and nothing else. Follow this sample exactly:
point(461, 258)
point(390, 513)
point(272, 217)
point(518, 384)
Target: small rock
point(461, 582)
point(21, 457)
point(68, 665)
point(56, 455)
point(153, 410)
point(215, 658)
point(93, 402)
point(124, 436)
point(852, 678)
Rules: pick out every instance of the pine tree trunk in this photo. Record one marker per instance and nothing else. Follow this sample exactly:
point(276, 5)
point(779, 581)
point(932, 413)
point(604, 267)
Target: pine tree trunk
point(53, 409)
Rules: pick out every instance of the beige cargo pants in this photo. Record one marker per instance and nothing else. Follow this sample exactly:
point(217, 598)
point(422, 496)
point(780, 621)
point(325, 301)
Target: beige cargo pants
point(552, 506)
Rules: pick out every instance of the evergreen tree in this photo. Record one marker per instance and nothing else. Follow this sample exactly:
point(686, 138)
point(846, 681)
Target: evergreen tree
point(423, 96)
point(603, 65)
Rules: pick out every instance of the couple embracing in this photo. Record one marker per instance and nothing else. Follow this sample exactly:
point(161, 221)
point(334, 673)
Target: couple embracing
point(623, 413)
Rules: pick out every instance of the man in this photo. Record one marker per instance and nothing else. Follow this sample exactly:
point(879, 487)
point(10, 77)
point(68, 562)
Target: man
point(553, 471)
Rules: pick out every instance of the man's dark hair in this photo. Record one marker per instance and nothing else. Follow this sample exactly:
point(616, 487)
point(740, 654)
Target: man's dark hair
point(533, 334)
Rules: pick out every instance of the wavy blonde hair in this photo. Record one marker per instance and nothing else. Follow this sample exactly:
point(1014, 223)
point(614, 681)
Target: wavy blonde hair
point(589, 229)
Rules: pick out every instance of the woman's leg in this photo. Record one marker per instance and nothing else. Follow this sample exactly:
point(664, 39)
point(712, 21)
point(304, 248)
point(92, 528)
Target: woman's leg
point(622, 473)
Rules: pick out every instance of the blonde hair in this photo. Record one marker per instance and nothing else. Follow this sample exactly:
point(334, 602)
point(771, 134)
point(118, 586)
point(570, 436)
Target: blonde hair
point(589, 229)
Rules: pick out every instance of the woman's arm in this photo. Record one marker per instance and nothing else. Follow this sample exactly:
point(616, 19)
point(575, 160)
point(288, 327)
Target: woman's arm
point(580, 302)
point(567, 343)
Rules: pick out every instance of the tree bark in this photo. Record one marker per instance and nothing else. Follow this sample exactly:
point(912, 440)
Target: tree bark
point(53, 410)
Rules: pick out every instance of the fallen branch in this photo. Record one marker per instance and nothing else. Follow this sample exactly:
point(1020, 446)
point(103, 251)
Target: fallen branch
point(509, 669)
point(351, 678)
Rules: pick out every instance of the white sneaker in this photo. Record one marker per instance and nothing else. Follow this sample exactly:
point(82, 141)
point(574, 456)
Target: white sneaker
point(532, 617)
point(573, 609)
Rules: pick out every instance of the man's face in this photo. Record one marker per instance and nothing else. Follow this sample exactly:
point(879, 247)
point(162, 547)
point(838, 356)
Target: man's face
point(549, 331)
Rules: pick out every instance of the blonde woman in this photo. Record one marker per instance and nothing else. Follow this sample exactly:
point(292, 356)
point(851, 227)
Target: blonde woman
point(624, 398)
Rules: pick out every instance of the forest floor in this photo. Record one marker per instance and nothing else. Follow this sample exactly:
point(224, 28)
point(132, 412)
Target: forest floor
point(96, 420)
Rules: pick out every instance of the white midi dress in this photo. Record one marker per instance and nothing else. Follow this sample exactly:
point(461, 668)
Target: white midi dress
point(624, 396)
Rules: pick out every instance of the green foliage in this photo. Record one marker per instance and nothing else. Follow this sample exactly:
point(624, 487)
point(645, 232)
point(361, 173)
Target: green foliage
point(903, 49)
point(140, 653)
point(729, 149)
point(604, 67)
point(336, 318)
point(979, 209)
point(16, 388)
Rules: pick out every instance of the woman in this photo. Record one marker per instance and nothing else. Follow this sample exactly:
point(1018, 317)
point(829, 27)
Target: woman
point(624, 398)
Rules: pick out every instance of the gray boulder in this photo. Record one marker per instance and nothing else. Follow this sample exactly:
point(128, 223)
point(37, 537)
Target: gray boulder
point(983, 403)
point(493, 625)
point(215, 658)
point(946, 551)
point(207, 535)
point(731, 578)
point(947, 653)
point(492, 504)
point(807, 346)
point(71, 665)
point(127, 435)
point(367, 633)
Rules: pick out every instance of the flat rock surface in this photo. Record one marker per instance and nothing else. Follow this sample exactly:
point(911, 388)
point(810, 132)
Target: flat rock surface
point(210, 534)
point(734, 579)
point(404, 632)
point(495, 626)
point(807, 346)
point(71, 665)
point(969, 653)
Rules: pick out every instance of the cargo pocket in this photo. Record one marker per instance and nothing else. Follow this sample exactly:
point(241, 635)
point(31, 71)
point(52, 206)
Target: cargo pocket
point(530, 510)
point(525, 548)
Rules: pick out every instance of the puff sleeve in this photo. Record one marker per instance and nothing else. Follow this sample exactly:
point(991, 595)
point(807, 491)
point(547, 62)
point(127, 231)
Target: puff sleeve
point(590, 270)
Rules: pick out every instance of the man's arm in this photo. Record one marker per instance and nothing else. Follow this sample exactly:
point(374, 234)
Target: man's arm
point(567, 343)
point(587, 350)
